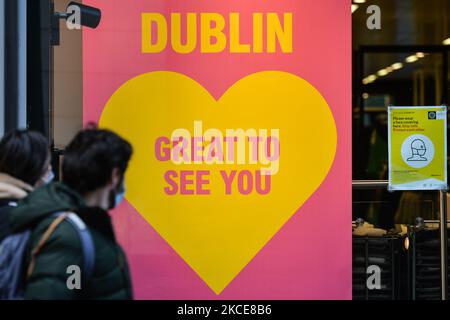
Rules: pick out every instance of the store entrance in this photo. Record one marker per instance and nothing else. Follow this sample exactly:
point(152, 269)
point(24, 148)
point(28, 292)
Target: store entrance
point(399, 76)
point(404, 237)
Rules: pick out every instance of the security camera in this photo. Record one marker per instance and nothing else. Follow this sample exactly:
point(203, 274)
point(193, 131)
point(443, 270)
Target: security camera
point(76, 16)
point(89, 16)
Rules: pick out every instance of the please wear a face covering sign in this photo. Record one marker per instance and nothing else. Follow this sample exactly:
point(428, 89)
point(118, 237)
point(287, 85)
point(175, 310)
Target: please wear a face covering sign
point(417, 148)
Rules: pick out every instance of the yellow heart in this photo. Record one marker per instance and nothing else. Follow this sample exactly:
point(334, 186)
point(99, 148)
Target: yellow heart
point(219, 234)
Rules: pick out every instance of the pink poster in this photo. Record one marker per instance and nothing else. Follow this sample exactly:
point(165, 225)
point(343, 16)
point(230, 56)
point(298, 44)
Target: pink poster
point(239, 113)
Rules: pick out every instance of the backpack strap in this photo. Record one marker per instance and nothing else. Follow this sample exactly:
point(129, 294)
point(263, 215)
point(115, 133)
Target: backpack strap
point(36, 250)
point(85, 238)
point(87, 244)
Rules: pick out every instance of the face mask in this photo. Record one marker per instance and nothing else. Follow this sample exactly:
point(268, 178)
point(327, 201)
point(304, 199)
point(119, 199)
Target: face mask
point(49, 177)
point(117, 197)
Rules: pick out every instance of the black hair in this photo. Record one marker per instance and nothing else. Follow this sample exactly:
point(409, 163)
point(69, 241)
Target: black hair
point(91, 157)
point(24, 155)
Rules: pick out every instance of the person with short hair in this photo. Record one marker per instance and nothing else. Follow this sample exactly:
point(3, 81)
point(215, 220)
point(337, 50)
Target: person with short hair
point(93, 171)
point(25, 164)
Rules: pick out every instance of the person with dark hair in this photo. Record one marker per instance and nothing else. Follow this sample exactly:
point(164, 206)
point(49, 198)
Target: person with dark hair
point(73, 253)
point(24, 165)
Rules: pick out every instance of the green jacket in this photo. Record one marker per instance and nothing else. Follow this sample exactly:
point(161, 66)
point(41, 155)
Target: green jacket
point(111, 278)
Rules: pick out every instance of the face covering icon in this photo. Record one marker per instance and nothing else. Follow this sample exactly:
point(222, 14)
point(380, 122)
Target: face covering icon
point(418, 151)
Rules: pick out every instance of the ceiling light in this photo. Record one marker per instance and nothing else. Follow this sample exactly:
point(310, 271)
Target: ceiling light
point(411, 59)
point(446, 42)
point(420, 55)
point(397, 66)
point(406, 243)
point(359, 1)
point(382, 72)
point(369, 79)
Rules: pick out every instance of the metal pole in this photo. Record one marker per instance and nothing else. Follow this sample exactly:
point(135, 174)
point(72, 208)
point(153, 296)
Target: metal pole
point(370, 184)
point(11, 62)
point(443, 240)
point(22, 64)
point(15, 64)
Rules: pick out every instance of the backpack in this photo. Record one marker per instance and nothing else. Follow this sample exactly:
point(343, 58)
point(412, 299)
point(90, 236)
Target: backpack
point(13, 249)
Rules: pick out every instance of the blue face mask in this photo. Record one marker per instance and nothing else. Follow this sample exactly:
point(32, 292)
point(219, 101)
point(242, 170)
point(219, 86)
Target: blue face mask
point(49, 177)
point(119, 197)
